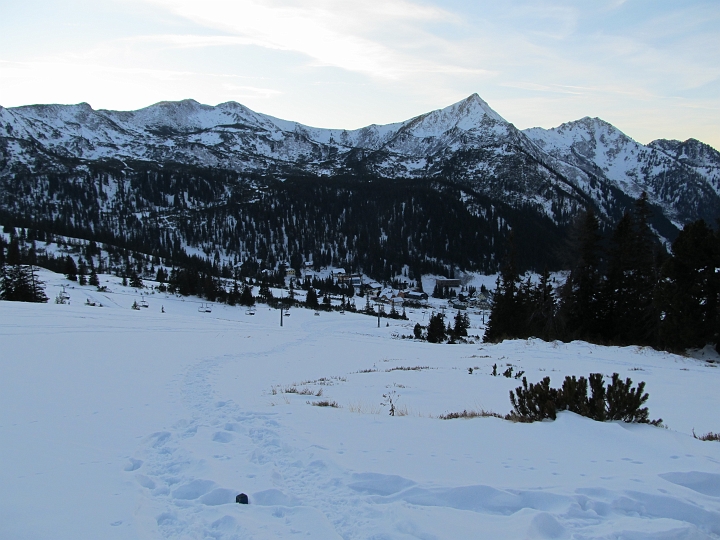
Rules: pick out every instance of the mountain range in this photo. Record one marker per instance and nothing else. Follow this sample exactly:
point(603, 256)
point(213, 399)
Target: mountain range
point(58, 160)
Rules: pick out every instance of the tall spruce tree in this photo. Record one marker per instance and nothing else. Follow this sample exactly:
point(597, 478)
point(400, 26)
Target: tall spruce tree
point(311, 300)
point(247, 298)
point(462, 323)
point(579, 311)
point(505, 317)
point(70, 268)
point(543, 308)
point(690, 289)
point(436, 332)
point(629, 313)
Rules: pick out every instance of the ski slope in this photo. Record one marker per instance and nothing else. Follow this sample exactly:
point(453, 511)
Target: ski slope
point(125, 424)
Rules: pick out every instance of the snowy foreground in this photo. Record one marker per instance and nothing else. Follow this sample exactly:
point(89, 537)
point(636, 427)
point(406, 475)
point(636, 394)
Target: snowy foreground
point(116, 423)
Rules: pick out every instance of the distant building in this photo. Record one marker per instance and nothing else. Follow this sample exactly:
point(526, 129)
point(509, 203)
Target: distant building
point(415, 295)
point(374, 287)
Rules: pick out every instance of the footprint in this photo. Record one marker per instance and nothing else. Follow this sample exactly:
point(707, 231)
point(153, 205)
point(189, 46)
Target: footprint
point(144, 481)
point(160, 438)
point(219, 496)
point(134, 465)
point(193, 490)
point(223, 437)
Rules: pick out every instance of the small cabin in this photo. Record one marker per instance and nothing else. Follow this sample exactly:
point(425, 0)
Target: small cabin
point(418, 296)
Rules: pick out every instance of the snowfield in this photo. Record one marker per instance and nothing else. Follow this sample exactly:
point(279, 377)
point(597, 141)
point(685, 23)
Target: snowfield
point(125, 424)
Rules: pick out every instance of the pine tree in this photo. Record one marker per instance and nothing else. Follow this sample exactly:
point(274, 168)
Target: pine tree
point(438, 291)
point(20, 283)
point(311, 300)
point(436, 332)
point(94, 281)
point(246, 298)
point(135, 280)
point(505, 317)
point(580, 295)
point(690, 289)
point(70, 268)
point(628, 309)
point(462, 323)
point(543, 320)
point(82, 273)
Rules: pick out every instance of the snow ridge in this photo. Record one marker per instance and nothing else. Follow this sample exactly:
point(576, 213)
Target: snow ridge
point(557, 170)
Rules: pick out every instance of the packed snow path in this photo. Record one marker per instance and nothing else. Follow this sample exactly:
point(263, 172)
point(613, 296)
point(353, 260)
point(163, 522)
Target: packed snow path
point(128, 424)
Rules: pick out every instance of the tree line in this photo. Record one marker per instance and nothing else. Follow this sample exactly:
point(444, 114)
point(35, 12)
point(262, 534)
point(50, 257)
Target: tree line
point(626, 290)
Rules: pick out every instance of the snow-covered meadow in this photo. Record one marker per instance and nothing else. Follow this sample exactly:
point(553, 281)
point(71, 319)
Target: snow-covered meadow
point(125, 424)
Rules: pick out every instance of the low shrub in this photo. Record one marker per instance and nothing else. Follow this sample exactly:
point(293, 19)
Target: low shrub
point(710, 436)
point(618, 401)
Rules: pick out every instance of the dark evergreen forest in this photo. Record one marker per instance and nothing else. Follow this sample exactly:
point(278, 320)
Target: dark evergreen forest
point(219, 220)
point(622, 290)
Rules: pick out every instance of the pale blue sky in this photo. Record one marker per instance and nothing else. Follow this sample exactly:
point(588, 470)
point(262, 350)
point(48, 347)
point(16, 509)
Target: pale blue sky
point(650, 67)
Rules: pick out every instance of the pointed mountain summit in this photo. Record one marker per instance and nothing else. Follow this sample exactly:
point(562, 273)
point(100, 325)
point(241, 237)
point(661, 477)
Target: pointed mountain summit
point(555, 172)
point(468, 114)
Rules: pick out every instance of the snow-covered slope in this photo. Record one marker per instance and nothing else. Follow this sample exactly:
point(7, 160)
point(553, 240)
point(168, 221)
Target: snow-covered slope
point(228, 135)
point(678, 177)
point(122, 424)
point(557, 171)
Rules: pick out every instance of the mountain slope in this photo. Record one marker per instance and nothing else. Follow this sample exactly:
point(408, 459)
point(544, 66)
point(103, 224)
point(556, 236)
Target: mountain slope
point(172, 169)
point(681, 178)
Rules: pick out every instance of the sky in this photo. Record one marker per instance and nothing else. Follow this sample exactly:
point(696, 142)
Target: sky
point(649, 67)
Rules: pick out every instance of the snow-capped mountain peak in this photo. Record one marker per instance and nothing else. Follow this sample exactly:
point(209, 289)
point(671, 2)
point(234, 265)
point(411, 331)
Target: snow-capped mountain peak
point(555, 170)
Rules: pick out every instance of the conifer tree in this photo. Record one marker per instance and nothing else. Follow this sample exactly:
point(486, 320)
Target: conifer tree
point(246, 298)
point(82, 273)
point(135, 280)
point(542, 322)
point(580, 295)
point(311, 299)
point(19, 283)
point(436, 332)
point(70, 268)
point(94, 281)
point(628, 309)
point(505, 319)
point(690, 289)
point(462, 323)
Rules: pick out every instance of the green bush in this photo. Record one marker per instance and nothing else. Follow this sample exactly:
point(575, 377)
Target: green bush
point(619, 401)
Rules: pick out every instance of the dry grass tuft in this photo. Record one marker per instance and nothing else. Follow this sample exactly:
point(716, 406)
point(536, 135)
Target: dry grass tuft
point(710, 436)
point(325, 403)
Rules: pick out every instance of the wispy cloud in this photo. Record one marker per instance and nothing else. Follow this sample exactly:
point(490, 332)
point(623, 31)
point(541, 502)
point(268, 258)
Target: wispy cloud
point(374, 38)
point(344, 63)
point(100, 79)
